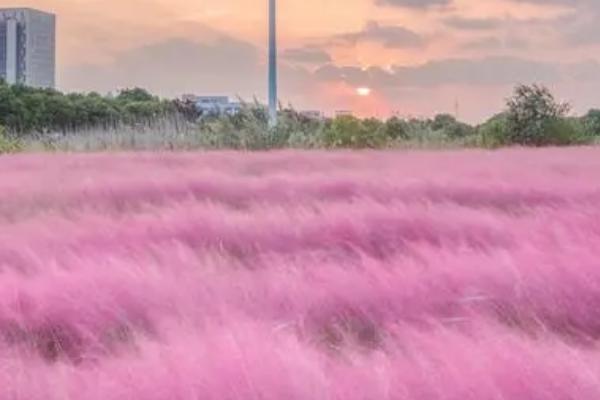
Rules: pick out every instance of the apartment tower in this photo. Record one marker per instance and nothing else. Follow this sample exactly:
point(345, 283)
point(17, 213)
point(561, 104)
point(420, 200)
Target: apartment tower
point(27, 47)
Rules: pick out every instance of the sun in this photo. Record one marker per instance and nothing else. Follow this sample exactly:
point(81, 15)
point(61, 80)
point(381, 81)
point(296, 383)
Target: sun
point(363, 91)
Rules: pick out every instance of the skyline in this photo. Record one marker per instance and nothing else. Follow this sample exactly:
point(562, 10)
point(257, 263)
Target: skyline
point(416, 57)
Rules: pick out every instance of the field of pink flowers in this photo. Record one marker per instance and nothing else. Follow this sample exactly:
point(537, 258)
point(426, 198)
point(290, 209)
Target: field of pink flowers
point(301, 276)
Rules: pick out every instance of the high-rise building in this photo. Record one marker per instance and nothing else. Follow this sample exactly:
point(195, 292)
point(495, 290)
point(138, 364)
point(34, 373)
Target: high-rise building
point(27, 47)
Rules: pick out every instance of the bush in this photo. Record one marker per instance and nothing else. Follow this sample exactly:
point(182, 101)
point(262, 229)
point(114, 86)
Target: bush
point(297, 131)
point(591, 122)
point(558, 131)
point(451, 127)
point(534, 116)
point(565, 131)
point(494, 132)
point(248, 129)
point(458, 130)
point(7, 143)
point(351, 132)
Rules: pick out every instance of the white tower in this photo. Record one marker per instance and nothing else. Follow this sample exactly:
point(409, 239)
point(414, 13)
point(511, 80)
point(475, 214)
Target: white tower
point(272, 63)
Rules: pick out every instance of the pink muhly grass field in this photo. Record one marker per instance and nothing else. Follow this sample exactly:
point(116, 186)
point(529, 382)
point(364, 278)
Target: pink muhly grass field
point(301, 276)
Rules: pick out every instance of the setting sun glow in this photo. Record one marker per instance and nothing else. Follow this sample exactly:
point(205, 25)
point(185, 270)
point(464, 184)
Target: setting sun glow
point(363, 91)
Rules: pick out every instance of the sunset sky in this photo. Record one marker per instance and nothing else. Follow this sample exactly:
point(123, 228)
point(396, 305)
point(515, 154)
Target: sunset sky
point(418, 57)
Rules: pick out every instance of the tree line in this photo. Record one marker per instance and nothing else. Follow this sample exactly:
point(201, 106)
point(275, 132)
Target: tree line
point(532, 117)
point(25, 110)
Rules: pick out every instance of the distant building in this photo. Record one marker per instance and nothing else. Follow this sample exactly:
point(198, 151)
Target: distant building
point(344, 113)
point(213, 105)
point(27, 47)
point(313, 114)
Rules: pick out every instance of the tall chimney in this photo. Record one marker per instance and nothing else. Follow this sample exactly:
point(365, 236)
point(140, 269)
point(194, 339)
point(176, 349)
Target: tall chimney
point(273, 103)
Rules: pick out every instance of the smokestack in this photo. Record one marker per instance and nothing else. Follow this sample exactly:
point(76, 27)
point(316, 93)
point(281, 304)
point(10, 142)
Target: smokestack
point(273, 63)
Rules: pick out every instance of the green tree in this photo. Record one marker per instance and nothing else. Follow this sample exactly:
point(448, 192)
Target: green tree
point(373, 126)
point(532, 110)
point(459, 130)
point(12, 111)
point(395, 129)
point(442, 122)
point(60, 112)
point(134, 95)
